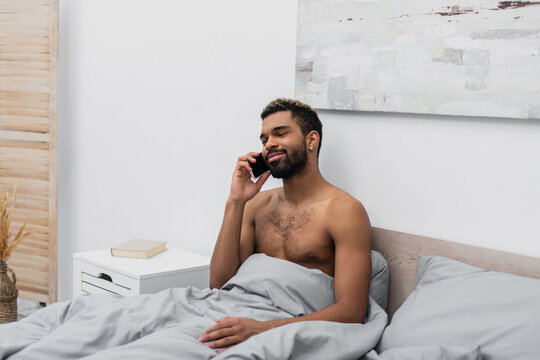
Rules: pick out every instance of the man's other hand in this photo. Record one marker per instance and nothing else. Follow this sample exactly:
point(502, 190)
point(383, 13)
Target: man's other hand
point(242, 187)
point(230, 331)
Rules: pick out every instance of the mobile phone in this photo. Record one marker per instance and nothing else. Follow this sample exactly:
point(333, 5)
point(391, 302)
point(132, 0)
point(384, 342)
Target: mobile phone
point(259, 167)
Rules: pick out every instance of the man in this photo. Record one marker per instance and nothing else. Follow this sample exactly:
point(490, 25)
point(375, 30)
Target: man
point(308, 221)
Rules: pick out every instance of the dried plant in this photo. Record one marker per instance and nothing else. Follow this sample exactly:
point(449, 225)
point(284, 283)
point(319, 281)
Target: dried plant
point(7, 242)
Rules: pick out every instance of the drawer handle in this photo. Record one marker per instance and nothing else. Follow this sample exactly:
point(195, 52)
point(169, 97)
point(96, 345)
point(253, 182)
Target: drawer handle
point(105, 277)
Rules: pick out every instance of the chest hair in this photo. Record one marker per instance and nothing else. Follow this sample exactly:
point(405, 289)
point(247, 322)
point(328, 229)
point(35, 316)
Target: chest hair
point(285, 224)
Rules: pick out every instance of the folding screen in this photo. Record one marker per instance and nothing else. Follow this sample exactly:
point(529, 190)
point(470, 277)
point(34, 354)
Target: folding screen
point(28, 54)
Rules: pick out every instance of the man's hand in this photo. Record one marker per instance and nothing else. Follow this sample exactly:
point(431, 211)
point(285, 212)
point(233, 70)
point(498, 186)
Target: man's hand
point(242, 187)
point(230, 331)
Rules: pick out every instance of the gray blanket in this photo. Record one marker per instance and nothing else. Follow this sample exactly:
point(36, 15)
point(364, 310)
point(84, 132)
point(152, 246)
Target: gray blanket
point(167, 325)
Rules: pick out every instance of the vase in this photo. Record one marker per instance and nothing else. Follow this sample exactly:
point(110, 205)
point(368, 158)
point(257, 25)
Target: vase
point(8, 294)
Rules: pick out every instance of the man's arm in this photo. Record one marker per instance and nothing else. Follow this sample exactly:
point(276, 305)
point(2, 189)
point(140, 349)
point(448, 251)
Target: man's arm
point(236, 238)
point(351, 232)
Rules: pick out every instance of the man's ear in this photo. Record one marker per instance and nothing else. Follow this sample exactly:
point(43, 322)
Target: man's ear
point(312, 140)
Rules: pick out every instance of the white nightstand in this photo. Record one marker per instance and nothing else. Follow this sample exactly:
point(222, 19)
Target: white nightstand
point(99, 271)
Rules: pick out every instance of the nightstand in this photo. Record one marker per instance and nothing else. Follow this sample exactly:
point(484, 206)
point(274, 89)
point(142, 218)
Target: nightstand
point(100, 272)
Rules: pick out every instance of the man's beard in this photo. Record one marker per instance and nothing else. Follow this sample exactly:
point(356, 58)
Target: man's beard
point(291, 163)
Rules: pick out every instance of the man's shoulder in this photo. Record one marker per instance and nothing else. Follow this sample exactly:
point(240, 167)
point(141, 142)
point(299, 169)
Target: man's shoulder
point(341, 202)
point(348, 217)
point(268, 194)
point(264, 198)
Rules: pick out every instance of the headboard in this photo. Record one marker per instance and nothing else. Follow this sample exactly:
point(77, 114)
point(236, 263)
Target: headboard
point(401, 251)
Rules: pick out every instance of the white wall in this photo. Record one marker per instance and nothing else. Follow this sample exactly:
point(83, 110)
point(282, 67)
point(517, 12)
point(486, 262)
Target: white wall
point(158, 98)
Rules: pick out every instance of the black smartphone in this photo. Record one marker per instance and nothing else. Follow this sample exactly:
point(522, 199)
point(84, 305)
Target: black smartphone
point(260, 166)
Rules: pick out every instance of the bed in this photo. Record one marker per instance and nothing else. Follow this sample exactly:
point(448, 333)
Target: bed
point(401, 251)
point(448, 300)
point(443, 300)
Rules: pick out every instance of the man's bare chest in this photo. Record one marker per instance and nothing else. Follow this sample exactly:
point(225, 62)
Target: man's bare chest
point(297, 235)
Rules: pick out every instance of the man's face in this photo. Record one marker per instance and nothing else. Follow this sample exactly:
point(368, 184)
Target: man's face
point(284, 146)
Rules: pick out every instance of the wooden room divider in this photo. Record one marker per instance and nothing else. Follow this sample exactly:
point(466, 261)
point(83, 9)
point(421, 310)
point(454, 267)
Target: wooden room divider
point(28, 155)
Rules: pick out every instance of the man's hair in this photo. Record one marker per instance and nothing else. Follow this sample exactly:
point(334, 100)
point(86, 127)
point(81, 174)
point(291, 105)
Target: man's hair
point(303, 114)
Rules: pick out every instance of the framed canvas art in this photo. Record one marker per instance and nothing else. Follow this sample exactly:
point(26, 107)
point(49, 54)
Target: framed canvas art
point(476, 57)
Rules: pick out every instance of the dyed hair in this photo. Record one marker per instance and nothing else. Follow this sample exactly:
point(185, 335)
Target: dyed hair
point(303, 114)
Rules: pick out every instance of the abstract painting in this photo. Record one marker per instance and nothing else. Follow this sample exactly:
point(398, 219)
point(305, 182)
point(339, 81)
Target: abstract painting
point(476, 57)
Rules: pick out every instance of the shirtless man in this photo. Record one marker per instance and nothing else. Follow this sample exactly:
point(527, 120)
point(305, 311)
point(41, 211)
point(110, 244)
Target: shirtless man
point(307, 221)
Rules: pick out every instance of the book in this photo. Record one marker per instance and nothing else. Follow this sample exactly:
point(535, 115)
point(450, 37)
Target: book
point(138, 248)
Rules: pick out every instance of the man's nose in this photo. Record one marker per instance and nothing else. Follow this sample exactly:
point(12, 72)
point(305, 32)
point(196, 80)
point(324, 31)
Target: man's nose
point(270, 144)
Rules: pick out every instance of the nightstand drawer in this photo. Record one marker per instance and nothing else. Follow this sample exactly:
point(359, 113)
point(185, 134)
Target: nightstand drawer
point(98, 278)
point(92, 284)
